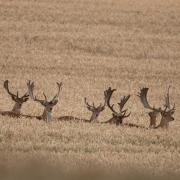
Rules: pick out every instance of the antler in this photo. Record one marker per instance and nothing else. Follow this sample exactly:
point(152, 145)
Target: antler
point(93, 107)
point(90, 107)
point(6, 86)
point(55, 99)
point(124, 114)
point(167, 99)
point(98, 108)
point(123, 101)
point(31, 93)
point(48, 105)
point(108, 93)
point(167, 103)
point(143, 97)
point(13, 96)
point(173, 109)
point(30, 86)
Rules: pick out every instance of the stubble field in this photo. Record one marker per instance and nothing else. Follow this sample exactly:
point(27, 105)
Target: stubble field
point(90, 45)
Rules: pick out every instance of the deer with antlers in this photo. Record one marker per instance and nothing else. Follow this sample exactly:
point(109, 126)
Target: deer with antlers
point(48, 105)
point(19, 101)
point(96, 110)
point(118, 117)
point(166, 112)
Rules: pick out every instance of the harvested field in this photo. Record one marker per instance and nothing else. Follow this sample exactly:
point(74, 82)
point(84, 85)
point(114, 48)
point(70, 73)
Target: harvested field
point(90, 45)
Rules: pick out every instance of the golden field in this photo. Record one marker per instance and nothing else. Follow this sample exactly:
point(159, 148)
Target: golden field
point(90, 45)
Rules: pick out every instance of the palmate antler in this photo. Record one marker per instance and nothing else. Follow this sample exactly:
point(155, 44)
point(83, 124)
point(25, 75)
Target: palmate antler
point(108, 93)
point(16, 97)
point(16, 111)
point(167, 100)
point(55, 99)
point(143, 97)
point(44, 102)
point(167, 104)
point(154, 111)
point(30, 86)
point(123, 101)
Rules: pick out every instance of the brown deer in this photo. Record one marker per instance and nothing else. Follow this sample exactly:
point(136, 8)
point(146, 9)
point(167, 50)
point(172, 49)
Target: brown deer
point(19, 101)
point(118, 117)
point(166, 112)
point(96, 110)
point(48, 105)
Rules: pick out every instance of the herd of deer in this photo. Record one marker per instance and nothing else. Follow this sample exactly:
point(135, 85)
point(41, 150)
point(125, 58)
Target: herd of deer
point(117, 116)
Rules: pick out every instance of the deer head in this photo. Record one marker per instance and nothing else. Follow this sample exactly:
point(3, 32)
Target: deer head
point(96, 110)
point(15, 97)
point(117, 116)
point(166, 113)
point(48, 105)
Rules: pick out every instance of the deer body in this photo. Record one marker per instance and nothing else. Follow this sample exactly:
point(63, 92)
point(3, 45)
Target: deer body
point(117, 122)
point(10, 114)
point(72, 119)
point(114, 120)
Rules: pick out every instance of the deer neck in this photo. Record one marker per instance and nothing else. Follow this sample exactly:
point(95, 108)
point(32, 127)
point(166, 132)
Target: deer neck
point(164, 123)
point(47, 115)
point(94, 117)
point(17, 108)
point(152, 122)
point(153, 117)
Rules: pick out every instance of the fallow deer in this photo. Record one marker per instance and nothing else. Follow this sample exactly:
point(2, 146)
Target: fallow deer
point(118, 117)
point(19, 101)
point(48, 105)
point(96, 110)
point(166, 112)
